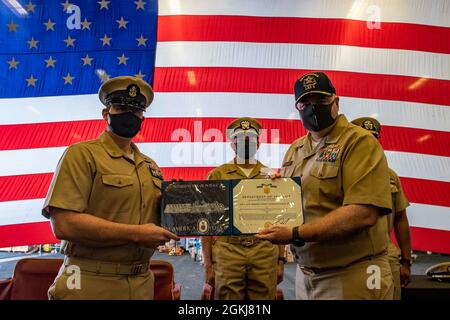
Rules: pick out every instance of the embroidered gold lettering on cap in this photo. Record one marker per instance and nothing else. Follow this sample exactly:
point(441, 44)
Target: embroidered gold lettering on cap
point(309, 81)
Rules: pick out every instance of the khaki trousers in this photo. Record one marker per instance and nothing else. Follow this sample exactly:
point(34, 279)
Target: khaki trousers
point(355, 282)
point(245, 273)
point(77, 284)
point(394, 262)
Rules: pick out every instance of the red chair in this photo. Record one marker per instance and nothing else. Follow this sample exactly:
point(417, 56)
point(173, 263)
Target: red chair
point(165, 286)
point(32, 278)
point(208, 293)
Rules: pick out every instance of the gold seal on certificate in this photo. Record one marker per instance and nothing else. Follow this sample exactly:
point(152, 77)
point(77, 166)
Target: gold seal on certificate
point(260, 203)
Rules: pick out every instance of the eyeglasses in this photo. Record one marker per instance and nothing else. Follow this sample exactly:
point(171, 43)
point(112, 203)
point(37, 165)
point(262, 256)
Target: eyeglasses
point(302, 105)
point(122, 108)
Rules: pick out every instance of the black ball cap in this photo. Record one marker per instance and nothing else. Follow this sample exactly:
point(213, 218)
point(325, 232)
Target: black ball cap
point(314, 82)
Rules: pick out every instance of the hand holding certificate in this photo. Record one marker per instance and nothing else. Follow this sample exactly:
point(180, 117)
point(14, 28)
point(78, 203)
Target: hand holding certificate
point(231, 207)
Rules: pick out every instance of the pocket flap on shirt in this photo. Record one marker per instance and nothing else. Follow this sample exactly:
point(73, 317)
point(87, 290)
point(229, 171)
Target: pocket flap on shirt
point(324, 171)
point(117, 180)
point(157, 182)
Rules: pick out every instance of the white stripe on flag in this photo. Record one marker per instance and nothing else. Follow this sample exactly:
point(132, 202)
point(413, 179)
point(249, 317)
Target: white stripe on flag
point(409, 11)
point(50, 109)
point(303, 56)
point(21, 211)
point(204, 154)
point(224, 105)
point(428, 216)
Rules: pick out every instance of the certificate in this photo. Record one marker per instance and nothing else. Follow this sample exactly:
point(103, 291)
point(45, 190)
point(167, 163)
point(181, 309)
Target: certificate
point(260, 203)
point(230, 207)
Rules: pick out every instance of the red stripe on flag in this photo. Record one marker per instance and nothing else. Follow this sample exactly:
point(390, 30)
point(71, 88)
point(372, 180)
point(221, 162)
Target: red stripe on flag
point(57, 134)
point(35, 186)
point(427, 191)
point(390, 35)
point(25, 186)
point(26, 234)
point(260, 80)
point(424, 239)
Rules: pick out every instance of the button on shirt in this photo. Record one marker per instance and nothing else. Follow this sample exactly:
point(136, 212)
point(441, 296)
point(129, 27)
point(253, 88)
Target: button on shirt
point(96, 177)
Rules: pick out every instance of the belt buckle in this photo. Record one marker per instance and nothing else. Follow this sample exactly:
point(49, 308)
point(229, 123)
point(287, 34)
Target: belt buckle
point(307, 271)
point(247, 242)
point(137, 268)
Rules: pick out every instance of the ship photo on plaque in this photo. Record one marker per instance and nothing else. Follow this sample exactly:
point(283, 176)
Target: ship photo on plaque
point(196, 208)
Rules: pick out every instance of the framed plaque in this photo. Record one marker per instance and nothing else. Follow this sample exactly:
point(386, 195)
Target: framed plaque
point(230, 207)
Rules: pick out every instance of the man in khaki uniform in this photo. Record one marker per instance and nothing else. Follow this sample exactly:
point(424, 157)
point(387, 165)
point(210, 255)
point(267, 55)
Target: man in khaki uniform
point(399, 258)
point(103, 203)
point(242, 267)
point(341, 248)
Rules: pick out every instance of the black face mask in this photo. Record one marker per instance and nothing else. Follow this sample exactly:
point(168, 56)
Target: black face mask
point(317, 117)
point(126, 125)
point(246, 150)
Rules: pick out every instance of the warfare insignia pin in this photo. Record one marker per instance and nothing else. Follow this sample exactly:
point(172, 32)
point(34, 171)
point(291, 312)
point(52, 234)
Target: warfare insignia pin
point(155, 171)
point(328, 153)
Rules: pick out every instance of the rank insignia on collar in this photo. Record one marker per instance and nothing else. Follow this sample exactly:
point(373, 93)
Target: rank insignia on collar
point(328, 153)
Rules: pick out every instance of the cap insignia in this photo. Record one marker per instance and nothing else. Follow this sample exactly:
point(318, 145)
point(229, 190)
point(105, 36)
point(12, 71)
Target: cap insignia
point(245, 125)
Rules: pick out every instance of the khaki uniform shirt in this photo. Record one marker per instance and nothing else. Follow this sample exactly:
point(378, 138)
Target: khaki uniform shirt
point(399, 203)
point(229, 171)
point(399, 200)
point(95, 177)
point(347, 167)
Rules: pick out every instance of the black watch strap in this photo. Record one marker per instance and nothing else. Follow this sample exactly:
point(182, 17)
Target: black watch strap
point(405, 261)
point(296, 238)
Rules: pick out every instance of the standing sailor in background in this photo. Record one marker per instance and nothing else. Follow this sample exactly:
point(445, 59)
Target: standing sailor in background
point(399, 257)
point(242, 267)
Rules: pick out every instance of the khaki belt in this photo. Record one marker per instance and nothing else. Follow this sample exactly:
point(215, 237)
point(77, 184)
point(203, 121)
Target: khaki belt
point(311, 271)
point(243, 241)
point(102, 267)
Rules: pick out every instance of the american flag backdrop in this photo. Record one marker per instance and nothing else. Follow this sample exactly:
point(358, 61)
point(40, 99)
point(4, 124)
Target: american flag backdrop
point(217, 60)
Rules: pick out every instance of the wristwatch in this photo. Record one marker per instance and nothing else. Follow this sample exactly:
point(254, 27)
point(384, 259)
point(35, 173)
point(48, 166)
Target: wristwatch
point(296, 239)
point(405, 261)
point(282, 259)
